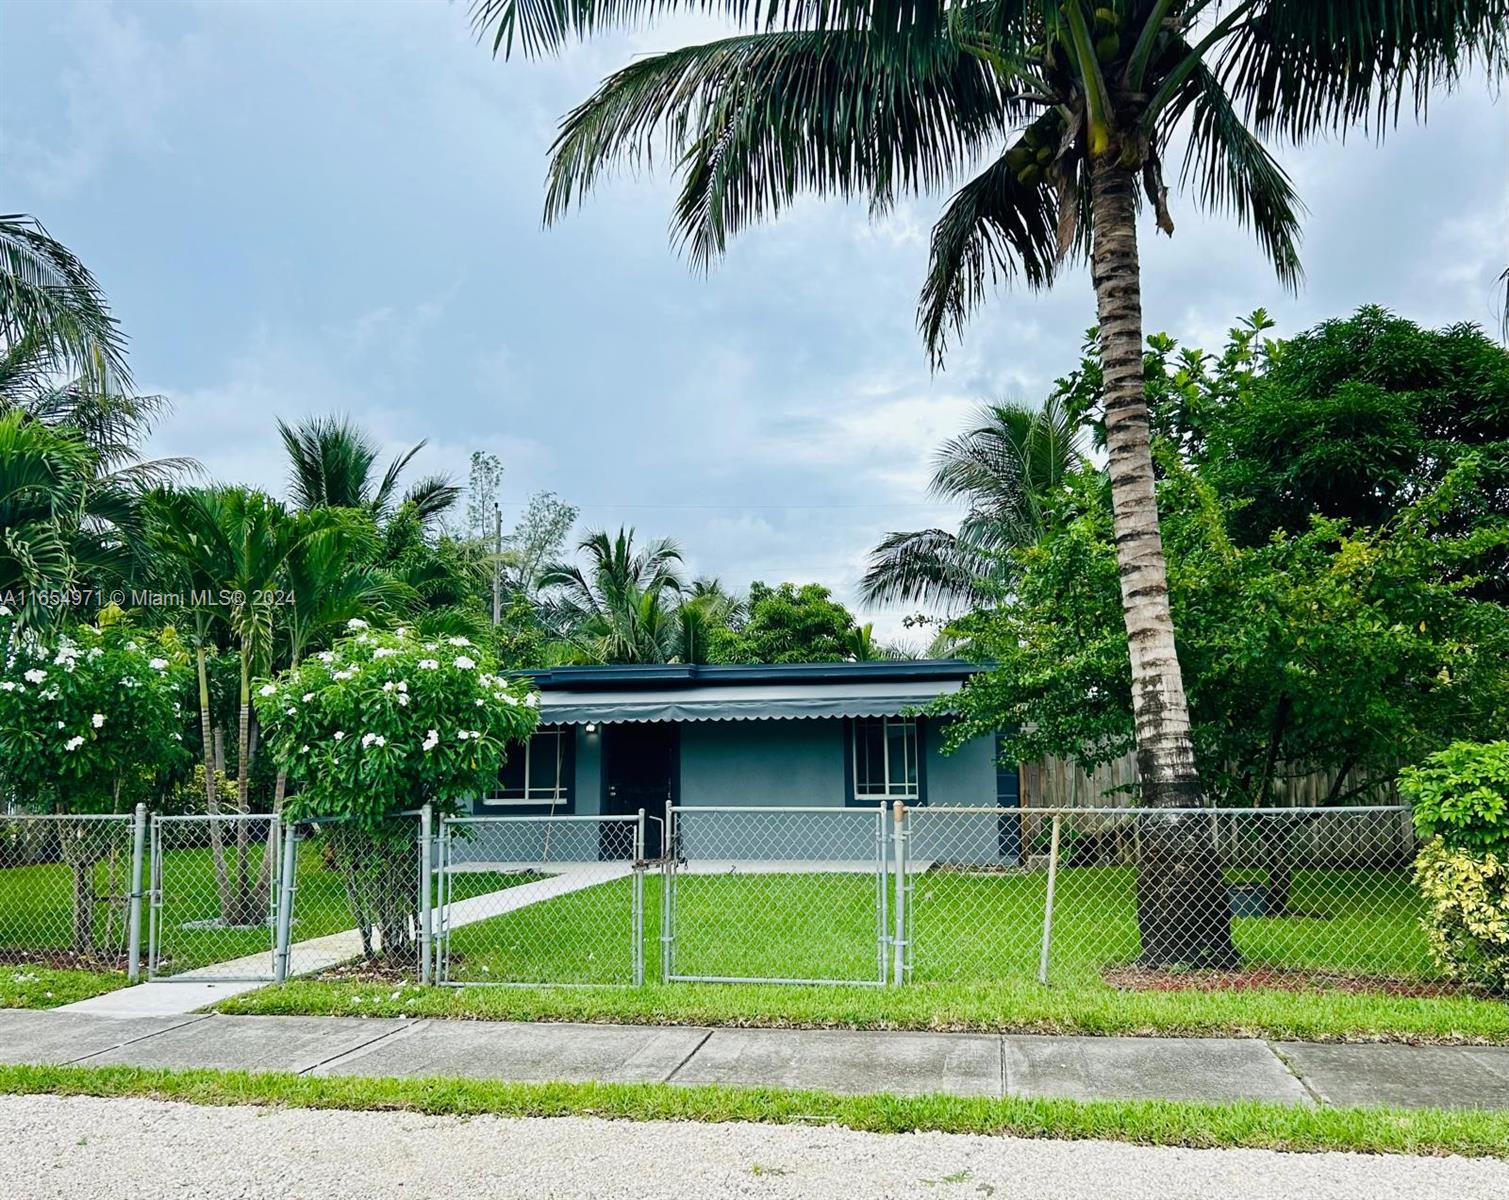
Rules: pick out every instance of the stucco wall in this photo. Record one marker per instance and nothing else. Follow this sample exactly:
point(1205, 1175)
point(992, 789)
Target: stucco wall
point(762, 763)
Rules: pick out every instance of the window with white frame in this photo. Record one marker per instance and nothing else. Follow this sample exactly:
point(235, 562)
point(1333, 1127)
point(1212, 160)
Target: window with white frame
point(536, 772)
point(885, 758)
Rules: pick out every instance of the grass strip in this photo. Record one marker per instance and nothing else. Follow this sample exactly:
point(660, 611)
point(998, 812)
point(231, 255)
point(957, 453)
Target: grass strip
point(1143, 1122)
point(1024, 1007)
point(26, 986)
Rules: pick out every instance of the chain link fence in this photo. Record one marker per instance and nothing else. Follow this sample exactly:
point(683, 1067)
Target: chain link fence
point(541, 900)
point(1124, 895)
point(70, 891)
point(777, 895)
point(213, 894)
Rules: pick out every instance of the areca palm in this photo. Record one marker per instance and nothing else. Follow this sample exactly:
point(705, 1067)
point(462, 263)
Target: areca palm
point(1075, 107)
point(1006, 467)
point(332, 463)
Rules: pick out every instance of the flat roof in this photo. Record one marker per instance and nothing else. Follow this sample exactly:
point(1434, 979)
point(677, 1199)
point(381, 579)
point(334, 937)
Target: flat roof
point(629, 677)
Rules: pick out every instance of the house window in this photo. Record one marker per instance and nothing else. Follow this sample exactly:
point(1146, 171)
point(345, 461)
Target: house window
point(885, 758)
point(537, 772)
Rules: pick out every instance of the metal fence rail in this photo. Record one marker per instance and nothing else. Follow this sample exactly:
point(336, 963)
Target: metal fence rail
point(1076, 895)
point(70, 890)
point(213, 892)
point(531, 900)
point(776, 895)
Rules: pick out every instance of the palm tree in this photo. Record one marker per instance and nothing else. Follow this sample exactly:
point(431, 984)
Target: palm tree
point(616, 608)
point(1007, 467)
point(1076, 107)
point(705, 607)
point(49, 298)
point(332, 464)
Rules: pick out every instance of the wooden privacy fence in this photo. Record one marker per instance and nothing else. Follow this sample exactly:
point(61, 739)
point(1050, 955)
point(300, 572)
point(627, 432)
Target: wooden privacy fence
point(1060, 783)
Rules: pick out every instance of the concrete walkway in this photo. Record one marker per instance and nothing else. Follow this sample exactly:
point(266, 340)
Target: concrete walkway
point(203, 986)
point(1203, 1069)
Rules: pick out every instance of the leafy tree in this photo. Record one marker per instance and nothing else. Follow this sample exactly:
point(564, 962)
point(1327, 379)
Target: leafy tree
point(482, 495)
point(1074, 108)
point(332, 463)
point(89, 723)
point(380, 724)
point(1007, 468)
point(789, 623)
point(536, 541)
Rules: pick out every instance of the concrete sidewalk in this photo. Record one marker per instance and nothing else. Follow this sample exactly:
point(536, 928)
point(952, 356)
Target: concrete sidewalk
point(1204, 1069)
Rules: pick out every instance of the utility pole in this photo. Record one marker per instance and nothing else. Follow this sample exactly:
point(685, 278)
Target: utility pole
point(497, 564)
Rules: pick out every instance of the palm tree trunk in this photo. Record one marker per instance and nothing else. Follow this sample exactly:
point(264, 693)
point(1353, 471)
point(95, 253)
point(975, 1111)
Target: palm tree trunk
point(212, 791)
point(1183, 912)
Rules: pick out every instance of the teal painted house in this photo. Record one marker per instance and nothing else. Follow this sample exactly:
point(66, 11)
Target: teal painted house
point(617, 739)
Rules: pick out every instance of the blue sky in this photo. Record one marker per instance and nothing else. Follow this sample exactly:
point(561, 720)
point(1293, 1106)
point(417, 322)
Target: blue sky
point(336, 206)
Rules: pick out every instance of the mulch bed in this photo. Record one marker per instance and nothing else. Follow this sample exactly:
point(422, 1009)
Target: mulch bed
point(1141, 979)
point(369, 972)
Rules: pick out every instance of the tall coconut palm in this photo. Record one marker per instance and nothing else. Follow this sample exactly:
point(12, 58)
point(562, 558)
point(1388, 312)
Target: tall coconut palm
point(332, 463)
point(617, 606)
point(1007, 467)
point(1076, 106)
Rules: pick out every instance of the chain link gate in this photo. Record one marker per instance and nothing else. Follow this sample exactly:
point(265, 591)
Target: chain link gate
point(540, 901)
point(213, 893)
point(776, 895)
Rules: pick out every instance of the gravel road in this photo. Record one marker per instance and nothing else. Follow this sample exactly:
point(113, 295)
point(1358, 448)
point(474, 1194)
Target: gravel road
point(85, 1148)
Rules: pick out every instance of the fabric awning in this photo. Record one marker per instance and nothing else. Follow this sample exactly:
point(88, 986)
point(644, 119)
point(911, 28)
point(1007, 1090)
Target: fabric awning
point(744, 703)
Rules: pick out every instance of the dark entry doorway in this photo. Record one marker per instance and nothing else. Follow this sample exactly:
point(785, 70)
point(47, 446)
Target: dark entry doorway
point(639, 771)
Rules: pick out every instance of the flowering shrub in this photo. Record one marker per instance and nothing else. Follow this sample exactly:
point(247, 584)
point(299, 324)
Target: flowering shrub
point(1461, 804)
point(91, 721)
point(384, 722)
point(378, 724)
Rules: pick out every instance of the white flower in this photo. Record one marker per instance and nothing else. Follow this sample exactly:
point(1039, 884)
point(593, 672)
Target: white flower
point(95, 652)
point(308, 696)
point(373, 739)
point(403, 701)
point(268, 689)
point(388, 687)
point(73, 743)
point(50, 694)
point(532, 700)
point(304, 749)
point(7, 686)
point(157, 664)
point(62, 725)
point(403, 685)
point(402, 631)
point(343, 675)
point(4, 610)
point(507, 699)
point(98, 720)
point(478, 702)
point(462, 735)
point(356, 623)
point(431, 740)
point(326, 656)
point(35, 675)
point(384, 652)
point(339, 733)
point(132, 646)
point(291, 711)
point(458, 641)
point(428, 664)
point(463, 663)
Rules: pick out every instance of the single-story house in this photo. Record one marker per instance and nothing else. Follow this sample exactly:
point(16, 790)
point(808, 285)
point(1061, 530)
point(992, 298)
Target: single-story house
point(616, 739)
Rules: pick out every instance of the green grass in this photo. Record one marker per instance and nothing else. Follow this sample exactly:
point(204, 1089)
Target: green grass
point(24, 985)
point(964, 928)
point(1165, 1123)
point(36, 907)
point(1016, 1007)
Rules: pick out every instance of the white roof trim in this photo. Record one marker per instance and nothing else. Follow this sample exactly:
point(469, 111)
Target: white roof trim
point(753, 702)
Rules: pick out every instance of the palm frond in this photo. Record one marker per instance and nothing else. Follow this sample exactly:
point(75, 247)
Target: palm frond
point(47, 294)
point(752, 121)
point(432, 496)
point(994, 229)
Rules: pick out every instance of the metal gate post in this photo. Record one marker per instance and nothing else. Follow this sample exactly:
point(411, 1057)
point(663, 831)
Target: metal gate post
point(154, 901)
point(286, 890)
point(426, 890)
point(667, 886)
point(133, 909)
point(638, 920)
point(898, 968)
point(1042, 963)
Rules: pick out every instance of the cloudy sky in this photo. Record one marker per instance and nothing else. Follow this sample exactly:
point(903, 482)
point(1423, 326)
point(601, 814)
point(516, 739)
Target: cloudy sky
point(336, 206)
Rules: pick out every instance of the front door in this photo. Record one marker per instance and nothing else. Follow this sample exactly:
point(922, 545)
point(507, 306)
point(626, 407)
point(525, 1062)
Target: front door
point(639, 772)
